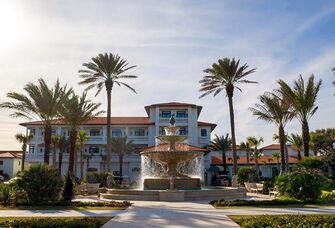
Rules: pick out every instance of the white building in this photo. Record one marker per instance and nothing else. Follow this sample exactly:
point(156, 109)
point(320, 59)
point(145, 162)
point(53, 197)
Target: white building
point(143, 130)
point(10, 163)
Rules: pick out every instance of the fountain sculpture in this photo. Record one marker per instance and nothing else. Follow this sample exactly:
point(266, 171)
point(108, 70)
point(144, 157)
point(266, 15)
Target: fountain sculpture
point(172, 154)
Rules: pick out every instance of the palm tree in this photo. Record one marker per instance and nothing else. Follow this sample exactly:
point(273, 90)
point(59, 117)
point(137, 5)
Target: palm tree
point(105, 70)
point(277, 157)
point(63, 144)
point(245, 146)
point(275, 109)
point(82, 138)
point(256, 142)
point(275, 137)
point(296, 140)
point(41, 102)
point(76, 111)
point(222, 143)
point(303, 99)
point(54, 143)
point(226, 75)
point(122, 146)
point(24, 139)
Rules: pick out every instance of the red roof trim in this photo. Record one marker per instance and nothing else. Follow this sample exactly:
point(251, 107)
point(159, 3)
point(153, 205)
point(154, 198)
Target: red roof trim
point(10, 154)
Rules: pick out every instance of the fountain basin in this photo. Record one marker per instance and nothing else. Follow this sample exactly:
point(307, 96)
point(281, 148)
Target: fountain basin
point(181, 183)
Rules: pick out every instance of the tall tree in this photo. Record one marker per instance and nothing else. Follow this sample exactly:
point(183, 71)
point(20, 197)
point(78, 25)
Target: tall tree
point(24, 139)
point(77, 110)
point(303, 99)
point(277, 157)
point(273, 108)
point(245, 146)
point(226, 75)
point(54, 143)
point(63, 145)
point(223, 144)
point(296, 140)
point(122, 146)
point(82, 138)
point(41, 102)
point(275, 137)
point(255, 143)
point(105, 70)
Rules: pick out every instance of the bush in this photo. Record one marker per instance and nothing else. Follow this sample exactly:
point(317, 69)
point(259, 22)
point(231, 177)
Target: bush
point(285, 221)
point(117, 204)
point(41, 183)
point(7, 195)
point(301, 183)
point(98, 177)
point(328, 196)
point(311, 163)
point(75, 222)
point(68, 193)
point(246, 174)
point(268, 183)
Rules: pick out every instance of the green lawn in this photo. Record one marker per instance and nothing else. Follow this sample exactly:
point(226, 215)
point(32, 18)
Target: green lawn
point(53, 222)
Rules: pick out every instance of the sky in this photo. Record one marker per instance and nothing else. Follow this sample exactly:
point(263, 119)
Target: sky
point(171, 43)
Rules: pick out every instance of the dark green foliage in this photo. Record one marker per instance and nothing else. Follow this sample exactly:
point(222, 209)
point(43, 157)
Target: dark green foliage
point(7, 195)
point(328, 196)
point(246, 174)
point(268, 183)
point(98, 177)
point(72, 222)
point(301, 183)
point(68, 189)
point(285, 221)
point(311, 163)
point(41, 183)
point(71, 205)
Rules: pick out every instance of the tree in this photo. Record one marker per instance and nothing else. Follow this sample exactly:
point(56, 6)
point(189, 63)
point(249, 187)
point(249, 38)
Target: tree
point(303, 99)
point(273, 108)
point(122, 146)
point(24, 139)
point(105, 70)
point(277, 157)
point(226, 75)
point(41, 102)
point(296, 140)
point(82, 138)
point(77, 110)
point(223, 144)
point(255, 143)
point(275, 137)
point(63, 144)
point(245, 146)
point(54, 143)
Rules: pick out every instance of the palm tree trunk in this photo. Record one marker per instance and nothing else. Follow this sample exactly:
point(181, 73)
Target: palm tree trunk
point(248, 157)
point(305, 137)
point(121, 166)
point(224, 162)
point(60, 161)
point(73, 139)
point(47, 143)
point(81, 162)
point(282, 149)
point(256, 162)
point(87, 163)
point(75, 161)
point(232, 126)
point(299, 155)
point(23, 159)
point(109, 85)
point(286, 157)
point(54, 148)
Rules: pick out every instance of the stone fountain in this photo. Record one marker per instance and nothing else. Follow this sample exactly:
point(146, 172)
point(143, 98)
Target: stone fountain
point(172, 154)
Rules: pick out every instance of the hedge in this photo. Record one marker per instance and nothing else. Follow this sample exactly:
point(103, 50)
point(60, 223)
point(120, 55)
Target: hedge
point(274, 202)
point(117, 204)
point(285, 221)
point(47, 222)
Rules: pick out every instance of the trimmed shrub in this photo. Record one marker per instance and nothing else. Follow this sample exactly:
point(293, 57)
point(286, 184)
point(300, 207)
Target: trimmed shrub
point(41, 183)
point(98, 177)
point(328, 196)
point(311, 163)
point(285, 221)
point(7, 195)
point(72, 222)
point(246, 174)
point(301, 183)
point(68, 193)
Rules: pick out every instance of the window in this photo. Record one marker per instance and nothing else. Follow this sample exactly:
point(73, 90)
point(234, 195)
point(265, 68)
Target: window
point(139, 132)
point(116, 133)
point(181, 114)
point(41, 150)
point(53, 131)
point(166, 114)
point(33, 131)
point(93, 149)
point(31, 149)
point(1, 172)
point(203, 132)
point(1, 162)
point(183, 131)
point(94, 132)
point(161, 131)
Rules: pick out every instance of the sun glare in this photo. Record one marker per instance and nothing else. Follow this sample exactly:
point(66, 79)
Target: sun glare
point(11, 25)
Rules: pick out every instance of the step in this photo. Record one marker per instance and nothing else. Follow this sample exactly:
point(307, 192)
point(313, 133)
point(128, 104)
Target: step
point(129, 197)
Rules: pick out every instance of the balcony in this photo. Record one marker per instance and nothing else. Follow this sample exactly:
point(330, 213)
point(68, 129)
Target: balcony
point(95, 139)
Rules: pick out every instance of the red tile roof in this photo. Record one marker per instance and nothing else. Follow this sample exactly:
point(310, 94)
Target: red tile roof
point(271, 147)
point(10, 154)
point(261, 160)
point(102, 121)
point(179, 147)
point(172, 104)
